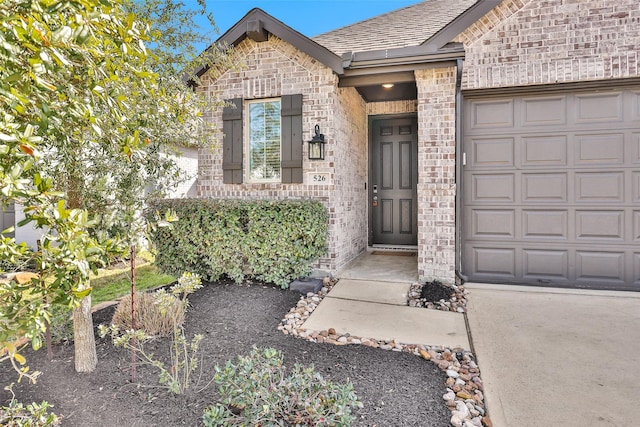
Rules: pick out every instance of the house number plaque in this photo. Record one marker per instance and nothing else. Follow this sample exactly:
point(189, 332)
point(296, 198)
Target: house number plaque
point(318, 179)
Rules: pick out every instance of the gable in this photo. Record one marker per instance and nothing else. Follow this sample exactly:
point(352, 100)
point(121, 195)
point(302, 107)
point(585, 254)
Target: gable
point(259, 26)
point(267, 69)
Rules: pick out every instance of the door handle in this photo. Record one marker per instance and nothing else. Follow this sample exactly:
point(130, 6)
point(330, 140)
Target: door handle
point(375, 201)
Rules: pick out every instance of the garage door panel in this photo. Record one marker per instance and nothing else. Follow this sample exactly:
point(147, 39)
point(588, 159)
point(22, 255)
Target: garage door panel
point(544, 150)
point(490, 114)
point(551, 191)
point(634, 96)
point(607, 266)
point(492, 188)
point(636, 226)
point(635, 148)
point(544, 111)
point(598, 149)
point(545, 225)
point(636, 268)
point(492, 224)
point(544, 187)
point(635, 187)
point(600, 225)
point(599, 187)
point(492, 152)
point(542, 264)
point(599, 108)
point(495, 262)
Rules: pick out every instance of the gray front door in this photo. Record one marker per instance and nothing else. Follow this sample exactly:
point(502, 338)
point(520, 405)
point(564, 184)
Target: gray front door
point(393, 181)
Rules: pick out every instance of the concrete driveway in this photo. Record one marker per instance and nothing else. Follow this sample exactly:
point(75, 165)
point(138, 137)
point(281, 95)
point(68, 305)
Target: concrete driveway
point(551, 357)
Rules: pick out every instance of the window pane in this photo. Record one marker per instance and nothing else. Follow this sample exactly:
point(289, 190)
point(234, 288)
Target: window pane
point(264, 140)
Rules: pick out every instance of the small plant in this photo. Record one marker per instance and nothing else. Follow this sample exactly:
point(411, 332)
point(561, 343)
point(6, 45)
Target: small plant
point(178, 377)
point(32, 415)
point(188, 283)
point(157, 313)
point(257, 391)
point(161, 313)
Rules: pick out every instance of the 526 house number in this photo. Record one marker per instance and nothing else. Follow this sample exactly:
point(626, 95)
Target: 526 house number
point(318, 179)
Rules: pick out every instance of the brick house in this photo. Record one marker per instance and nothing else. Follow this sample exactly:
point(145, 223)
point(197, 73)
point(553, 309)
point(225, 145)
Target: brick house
point(500, 138)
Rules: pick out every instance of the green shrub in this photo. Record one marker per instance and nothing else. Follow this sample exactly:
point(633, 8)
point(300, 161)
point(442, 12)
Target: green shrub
point(156, 313)
point(22, 262)
point(257, 391)
point(61, 323)
point(274, 241)
point(31, 415)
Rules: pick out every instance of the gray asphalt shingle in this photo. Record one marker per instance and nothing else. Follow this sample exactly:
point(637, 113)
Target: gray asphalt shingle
point(404, 27)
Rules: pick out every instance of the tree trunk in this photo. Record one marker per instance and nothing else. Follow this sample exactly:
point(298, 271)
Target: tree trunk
point(85, 343)
point(132, 262)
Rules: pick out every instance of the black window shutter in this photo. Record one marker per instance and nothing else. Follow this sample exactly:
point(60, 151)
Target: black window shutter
point(232, 142)
point(291, 150)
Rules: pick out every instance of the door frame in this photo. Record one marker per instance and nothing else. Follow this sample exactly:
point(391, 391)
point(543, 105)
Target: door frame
point(370, 120)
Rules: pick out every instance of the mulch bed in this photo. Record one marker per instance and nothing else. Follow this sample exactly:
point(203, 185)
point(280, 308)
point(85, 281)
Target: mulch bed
point(396, 388)
point(438, 296)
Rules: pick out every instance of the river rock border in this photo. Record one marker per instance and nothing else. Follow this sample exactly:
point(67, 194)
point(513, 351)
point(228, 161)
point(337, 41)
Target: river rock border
point(464, 396)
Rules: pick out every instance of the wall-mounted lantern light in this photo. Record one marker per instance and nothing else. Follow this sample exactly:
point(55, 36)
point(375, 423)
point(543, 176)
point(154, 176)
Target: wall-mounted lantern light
point(316, 145)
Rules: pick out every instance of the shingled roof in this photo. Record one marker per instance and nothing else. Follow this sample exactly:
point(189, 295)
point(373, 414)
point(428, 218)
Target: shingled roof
point(409, 26)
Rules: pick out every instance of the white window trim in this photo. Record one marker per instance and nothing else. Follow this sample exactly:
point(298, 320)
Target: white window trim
point(247, 141)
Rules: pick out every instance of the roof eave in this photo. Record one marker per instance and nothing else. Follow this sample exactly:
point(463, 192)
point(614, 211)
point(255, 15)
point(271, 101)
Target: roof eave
point(412, 55)
point(395, 65)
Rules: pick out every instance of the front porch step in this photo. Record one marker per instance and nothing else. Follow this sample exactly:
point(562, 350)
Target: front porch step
point(394, 293)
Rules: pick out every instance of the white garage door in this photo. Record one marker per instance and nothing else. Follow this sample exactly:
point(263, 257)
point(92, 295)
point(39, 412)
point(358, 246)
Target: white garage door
point(552, 189)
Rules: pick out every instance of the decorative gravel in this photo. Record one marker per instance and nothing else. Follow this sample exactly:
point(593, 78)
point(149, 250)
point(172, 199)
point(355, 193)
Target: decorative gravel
point(464, 389)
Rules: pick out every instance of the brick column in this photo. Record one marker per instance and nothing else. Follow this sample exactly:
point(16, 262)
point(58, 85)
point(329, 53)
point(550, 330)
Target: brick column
point(436, 174)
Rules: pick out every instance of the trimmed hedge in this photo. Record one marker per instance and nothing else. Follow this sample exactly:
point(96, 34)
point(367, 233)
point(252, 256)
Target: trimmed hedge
point(273, 241)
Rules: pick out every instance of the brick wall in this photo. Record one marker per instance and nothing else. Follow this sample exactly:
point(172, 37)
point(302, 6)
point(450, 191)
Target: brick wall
point(350, 154)
point(551, 41)
point(392, 107)
point(436, 173)
point(275, 68)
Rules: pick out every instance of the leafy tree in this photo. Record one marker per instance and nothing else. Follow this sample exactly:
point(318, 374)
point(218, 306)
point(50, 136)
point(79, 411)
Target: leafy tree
point(86, 114)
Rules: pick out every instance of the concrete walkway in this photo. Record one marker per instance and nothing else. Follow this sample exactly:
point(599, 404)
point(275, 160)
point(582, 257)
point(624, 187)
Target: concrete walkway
point(375, 306)
point(551, 357)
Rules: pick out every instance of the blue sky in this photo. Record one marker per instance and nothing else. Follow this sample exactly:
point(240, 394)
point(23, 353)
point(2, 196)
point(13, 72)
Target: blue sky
point(310, 17)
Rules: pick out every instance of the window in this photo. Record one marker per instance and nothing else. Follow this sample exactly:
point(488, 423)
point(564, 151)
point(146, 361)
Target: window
point(263, 140)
